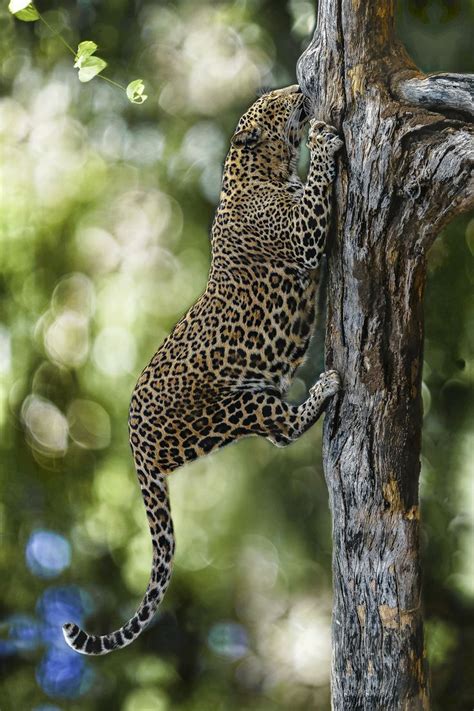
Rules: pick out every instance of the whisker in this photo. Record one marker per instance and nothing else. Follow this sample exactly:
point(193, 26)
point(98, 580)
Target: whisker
point(309, 105)
point(290, 119)
point(290, 122)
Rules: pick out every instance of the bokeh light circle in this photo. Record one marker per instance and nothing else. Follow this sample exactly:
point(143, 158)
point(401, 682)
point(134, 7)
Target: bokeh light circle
point(228, 639)
point(47, 553)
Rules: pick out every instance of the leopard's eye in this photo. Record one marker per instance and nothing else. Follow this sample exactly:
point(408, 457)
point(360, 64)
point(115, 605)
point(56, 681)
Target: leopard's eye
point(247, 138)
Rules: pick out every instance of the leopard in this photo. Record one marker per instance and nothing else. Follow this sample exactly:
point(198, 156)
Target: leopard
point(226, 368)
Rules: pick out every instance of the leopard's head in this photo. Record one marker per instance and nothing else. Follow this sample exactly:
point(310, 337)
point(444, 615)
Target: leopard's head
point(269, 133)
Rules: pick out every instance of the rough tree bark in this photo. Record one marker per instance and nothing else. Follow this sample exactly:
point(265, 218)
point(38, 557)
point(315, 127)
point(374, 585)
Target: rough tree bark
point(406, 172)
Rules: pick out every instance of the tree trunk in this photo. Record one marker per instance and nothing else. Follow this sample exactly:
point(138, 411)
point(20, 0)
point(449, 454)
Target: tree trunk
point(406, 172)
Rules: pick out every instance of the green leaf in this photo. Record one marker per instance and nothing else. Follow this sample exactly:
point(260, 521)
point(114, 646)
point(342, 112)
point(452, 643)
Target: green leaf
point(84, 50)
point(24, 10)
point(135, 91)
point(90, 67)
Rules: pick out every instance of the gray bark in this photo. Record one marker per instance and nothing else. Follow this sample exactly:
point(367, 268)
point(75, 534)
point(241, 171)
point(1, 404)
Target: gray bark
point(438, 92)
point(405, 173)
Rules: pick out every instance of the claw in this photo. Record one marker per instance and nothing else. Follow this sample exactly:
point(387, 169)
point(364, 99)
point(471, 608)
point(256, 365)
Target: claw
point(323, 133)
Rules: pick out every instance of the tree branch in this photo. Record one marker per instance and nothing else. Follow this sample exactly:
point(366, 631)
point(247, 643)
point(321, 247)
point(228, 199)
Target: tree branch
point(438, 92)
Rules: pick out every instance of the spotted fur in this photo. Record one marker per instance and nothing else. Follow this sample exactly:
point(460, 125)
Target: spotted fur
point(223, 372)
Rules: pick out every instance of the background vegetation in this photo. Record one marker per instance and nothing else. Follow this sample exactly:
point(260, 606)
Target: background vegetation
point(105, 215)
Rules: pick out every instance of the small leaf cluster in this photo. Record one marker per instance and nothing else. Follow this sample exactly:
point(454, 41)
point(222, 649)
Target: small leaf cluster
point(89, 65)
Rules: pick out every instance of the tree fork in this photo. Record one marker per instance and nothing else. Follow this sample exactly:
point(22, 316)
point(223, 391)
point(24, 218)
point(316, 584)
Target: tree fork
point(407, 171)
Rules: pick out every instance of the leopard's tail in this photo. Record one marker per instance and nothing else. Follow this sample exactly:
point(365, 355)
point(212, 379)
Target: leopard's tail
point(155, 493)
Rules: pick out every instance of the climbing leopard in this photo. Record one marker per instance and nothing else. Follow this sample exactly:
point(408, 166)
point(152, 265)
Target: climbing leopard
point(224, 371)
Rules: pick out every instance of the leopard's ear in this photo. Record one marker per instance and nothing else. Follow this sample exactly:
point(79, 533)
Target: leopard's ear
point(247, 138)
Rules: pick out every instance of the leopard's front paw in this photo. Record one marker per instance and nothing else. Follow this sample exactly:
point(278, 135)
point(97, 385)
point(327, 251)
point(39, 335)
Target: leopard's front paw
point(333, 142)
point(322, 135)
point(329, 384)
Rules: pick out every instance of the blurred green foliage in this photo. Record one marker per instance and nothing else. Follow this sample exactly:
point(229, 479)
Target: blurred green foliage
point(105, 216)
